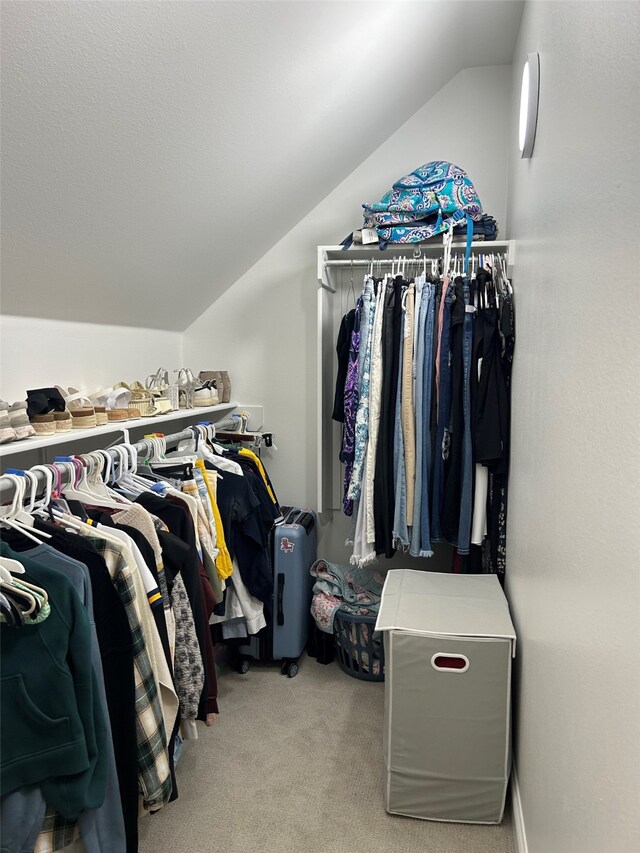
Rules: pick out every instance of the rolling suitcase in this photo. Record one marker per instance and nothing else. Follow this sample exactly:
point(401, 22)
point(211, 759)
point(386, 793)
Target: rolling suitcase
point(284, 639)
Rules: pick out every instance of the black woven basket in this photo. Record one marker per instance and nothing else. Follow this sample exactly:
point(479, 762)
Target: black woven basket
point(360, 652)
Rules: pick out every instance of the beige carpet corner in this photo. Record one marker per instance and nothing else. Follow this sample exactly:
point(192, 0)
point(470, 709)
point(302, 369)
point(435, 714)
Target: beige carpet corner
point(293, 765)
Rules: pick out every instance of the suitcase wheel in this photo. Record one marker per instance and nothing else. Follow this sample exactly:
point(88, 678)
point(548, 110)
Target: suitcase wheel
point(243, 666)
point(290, 668)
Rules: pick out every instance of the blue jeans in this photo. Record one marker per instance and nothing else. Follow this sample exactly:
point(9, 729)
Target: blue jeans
point(416, 530)
point(400, 530)
point(444, 416)
point(420, 541)
point(427, 378)
point(466, 501)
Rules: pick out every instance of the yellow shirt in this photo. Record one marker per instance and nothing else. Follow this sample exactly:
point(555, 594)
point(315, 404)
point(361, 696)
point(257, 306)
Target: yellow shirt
point(224, 566)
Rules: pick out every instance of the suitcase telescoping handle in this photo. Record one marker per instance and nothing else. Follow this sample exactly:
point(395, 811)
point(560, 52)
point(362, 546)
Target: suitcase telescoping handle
point(280, 597)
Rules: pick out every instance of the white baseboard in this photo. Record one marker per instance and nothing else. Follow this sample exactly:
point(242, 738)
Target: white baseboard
point(518, 818)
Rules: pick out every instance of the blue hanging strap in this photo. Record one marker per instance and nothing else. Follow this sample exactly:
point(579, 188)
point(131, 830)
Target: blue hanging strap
point(467, 254)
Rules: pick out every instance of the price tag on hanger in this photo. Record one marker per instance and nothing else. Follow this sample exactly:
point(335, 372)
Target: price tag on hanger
point(369, 235)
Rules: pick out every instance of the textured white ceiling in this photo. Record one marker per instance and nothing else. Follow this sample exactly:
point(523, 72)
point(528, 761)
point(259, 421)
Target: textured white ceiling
point(153, 151)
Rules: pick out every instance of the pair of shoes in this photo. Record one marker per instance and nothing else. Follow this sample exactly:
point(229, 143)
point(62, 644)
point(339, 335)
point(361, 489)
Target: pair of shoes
point(207, 395)
point(222, 382)
point(140, 404)
point(146, 402)
point(7, 432)
point(158, 381)
point(82, 413)
point(194, 393)
point(47, 411)
point(158, 385)
point(19, 420)
point(14, 423)
point(187, 384)
point(116, 403)
point(101, 407)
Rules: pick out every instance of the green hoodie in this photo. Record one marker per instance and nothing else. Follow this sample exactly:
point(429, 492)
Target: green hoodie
point(52, 728)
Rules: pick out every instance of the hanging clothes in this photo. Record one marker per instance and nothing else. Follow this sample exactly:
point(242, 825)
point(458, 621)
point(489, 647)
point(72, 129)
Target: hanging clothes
point(351, 400)
point(427, 459)
point(384, 498)
point(123, 603)
point(342, 350)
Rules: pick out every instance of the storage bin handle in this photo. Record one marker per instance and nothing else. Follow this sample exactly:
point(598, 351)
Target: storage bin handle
point(444, 662)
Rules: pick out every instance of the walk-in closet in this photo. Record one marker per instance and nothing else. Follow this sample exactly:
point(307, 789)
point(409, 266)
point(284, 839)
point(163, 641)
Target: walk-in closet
point(319, 459)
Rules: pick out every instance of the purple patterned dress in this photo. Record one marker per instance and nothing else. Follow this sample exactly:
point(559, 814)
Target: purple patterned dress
point(351, 397)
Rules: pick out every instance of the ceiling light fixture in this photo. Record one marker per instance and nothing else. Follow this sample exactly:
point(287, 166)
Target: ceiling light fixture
point(529, 93)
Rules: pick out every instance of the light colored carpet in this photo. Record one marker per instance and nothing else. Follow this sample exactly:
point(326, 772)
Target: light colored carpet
point(294, 765)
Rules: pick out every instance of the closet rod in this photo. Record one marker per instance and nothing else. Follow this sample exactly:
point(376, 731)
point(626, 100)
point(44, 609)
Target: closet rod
point(7, 487)
point(389, 261)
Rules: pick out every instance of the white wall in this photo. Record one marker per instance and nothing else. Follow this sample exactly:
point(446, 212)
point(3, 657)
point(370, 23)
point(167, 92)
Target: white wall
point(572, 574)
point(263, 330)
point(38, 353)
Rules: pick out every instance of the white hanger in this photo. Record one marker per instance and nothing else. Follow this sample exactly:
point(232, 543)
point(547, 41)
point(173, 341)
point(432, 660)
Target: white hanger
point(108, 459)
point(24, 596)
point(10, 567)
point(447, 240)
point(48, 489)
point(107, 465)
point(96, 465)
point(82, 491)
point(127, 477)
point(174, 460)
point(8, 513)
point(24, 515)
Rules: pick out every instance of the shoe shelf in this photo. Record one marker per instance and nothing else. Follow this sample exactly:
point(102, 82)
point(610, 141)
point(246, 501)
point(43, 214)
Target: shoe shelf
point(199, 413)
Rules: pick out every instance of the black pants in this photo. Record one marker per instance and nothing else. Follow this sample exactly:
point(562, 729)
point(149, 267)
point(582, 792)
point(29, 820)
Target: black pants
point(384, 485)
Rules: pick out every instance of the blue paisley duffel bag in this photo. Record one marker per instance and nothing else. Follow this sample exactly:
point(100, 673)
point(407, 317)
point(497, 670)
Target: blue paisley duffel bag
point(429, 201)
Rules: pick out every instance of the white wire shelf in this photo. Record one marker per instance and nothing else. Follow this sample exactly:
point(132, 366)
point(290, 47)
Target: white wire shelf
point(331, 258)
point(123, 427)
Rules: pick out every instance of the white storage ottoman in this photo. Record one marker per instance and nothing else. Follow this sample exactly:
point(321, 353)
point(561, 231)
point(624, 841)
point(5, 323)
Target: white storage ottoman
point(449, 643)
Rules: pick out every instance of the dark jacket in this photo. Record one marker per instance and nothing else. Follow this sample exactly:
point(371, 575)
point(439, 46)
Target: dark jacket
point(53, 729)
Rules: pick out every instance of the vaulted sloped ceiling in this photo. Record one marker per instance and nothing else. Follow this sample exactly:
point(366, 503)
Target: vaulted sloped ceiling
point(153, 151)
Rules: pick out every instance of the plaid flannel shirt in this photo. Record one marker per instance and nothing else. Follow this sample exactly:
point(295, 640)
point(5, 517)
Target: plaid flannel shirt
point(154, 775)
point(189, 487)
point(57, 832)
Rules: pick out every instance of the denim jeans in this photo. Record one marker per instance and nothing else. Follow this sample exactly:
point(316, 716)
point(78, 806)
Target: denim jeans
point(420, 547)
point(427, 380)
point(444, 417)
point(418, 394)
point(466, 501)
point(400, 531)
point(417, 330)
